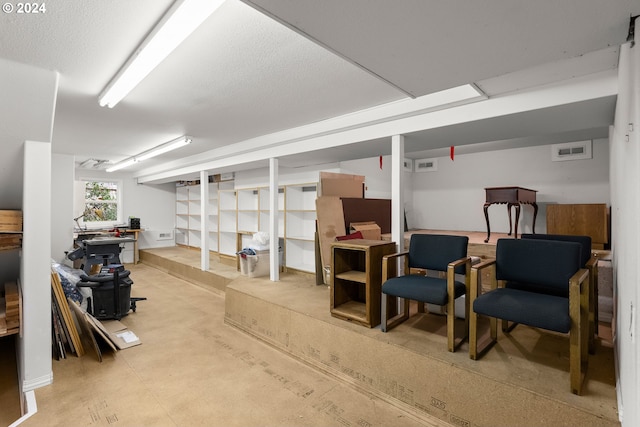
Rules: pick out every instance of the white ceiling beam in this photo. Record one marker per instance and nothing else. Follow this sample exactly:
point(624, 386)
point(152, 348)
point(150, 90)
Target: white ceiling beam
point(303, 139)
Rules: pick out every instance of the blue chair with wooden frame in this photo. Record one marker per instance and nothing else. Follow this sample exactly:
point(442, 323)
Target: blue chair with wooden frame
point(589, 261)
point(541, 264)
point(444, 254)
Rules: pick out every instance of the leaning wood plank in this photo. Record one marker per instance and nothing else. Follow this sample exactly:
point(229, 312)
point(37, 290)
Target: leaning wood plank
point(66, 313)
point(100, 331)
point(86, 329)
point(57, 317)
point(330, 224)
point(65, 331)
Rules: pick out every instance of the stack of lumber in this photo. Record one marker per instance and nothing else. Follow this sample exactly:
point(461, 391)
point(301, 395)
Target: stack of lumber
point(10, 229)
point(65, 335)
point(75, 330)
point(10, 309)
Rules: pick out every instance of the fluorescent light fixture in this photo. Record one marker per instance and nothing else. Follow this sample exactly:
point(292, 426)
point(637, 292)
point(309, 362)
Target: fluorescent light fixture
point(174, 27)
point(122, 164)
point(156, 151)
point(164, 148)
point(88, 162)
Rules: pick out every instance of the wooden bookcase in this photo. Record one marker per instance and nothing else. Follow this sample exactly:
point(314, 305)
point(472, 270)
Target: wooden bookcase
point(356, 279)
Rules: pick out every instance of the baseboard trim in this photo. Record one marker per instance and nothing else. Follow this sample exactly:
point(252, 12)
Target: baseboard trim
point(29, 407)
point(29, 385)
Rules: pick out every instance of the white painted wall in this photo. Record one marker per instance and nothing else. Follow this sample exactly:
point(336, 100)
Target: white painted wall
point(378, 180)
point(34, 344)
point(62, 206)
point(452, 197)
point(625, 199)
point(154, 204)
point(27, 108)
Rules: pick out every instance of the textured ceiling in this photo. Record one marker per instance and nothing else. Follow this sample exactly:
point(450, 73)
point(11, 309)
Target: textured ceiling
point(265, 66)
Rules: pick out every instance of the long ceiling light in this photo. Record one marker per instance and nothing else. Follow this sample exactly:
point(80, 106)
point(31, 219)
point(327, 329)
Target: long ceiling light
point(174, 27)
point(156, 151)
point(164, 148)
point(121, 165)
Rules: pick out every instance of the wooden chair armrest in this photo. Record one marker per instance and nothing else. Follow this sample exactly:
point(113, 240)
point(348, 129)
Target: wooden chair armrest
point(387, 272)
point(451, 274)
point(476, 269)
point(483, 264)
point(396, 255)
point(458, 262)
point(579, 288)
point(578, 279)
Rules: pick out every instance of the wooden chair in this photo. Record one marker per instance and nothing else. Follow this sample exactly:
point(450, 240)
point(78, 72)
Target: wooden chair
point(540, 264)
point(444, 254)
point(589, 261)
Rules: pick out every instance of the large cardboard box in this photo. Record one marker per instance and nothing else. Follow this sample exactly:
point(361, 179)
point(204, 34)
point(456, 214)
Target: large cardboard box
point(370, 230)
point(341, 185)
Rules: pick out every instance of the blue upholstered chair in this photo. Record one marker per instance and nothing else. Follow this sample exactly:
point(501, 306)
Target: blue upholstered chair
point(428, 253)
point(559, 303)
point(589, 261)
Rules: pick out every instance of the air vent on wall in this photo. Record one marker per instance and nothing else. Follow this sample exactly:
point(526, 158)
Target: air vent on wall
point(165, 235)
point(578, 150)
point(426, 165)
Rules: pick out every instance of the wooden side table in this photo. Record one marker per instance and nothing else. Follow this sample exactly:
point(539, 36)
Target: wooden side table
point(512, 196)
point(356, 279)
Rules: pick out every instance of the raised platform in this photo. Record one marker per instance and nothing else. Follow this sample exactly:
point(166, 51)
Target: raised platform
point(523, 380)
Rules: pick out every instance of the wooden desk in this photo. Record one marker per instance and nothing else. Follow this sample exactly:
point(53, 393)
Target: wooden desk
point(512, 196)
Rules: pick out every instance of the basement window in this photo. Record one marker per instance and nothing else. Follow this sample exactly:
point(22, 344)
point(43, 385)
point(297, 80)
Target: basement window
point(98, 203)
point(579, 150)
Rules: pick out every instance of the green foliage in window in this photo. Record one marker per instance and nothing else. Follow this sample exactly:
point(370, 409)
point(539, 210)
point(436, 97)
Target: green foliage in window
point(101, 201)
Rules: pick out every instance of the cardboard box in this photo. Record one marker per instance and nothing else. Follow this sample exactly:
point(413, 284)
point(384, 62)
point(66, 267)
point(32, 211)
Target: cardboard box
point(370, 230)
point(341, 185)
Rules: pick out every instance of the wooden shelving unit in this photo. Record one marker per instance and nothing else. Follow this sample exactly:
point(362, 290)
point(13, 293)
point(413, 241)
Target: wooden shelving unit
point(356, 279)
point(213, 217)
point(300, 226)
point(235, 214)
point(10, 297)
point(228, 222)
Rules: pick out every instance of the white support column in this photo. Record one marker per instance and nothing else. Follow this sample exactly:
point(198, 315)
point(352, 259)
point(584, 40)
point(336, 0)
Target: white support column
point(397, 191)
point(204, 221)
point(274, 262)
point(34, 340)
point(397, 200)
